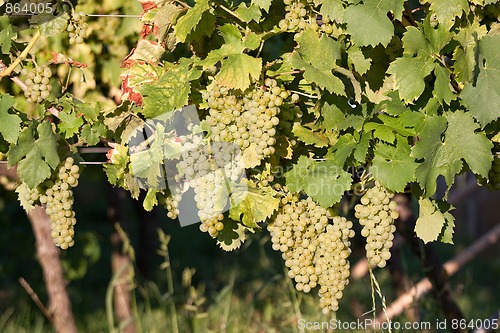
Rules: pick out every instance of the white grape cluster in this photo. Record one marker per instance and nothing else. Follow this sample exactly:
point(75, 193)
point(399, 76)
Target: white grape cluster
point(78, 29)
point(314, 251)
point(295, 16)
point(249, 119)
point(208, 169)
point(58, 199)
point(37, 83)
point(376, 214)
point(331, 260)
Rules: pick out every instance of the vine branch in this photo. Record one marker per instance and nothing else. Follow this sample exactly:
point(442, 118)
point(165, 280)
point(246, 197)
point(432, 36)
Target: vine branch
point(22, 56)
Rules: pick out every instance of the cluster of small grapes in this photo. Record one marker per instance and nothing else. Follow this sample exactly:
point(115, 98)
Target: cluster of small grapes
point(59, 203)
point(295, 233)
point(376, 214)
point(314, 251)
point(37, 82)
point(249, 120)
point(208, 169)
point(331, 261)
point(493, 181)
point(78, 29)
point(295, 16)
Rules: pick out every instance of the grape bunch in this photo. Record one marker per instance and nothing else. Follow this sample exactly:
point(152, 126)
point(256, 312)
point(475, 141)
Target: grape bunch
point(247, 119)
point(493, 181)
point(209, 169)
point(315, 251)
point(58, 198)
point(295, 16)
point(78, 28)
point(37, 83)
point(295, 233)
point(332, 262)
point(376, 214)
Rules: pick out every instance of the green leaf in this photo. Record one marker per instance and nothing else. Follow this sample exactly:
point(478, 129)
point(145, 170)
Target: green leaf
point(170, 92)
point(232, 236)
point(333, 8)
point(324, 181)
point(464, 56)
point(91, 134)
point(368, 23)
point(248, 14)
point(389, 128)
point(430, 222)
point(308, 136)
point(150, 200)
point(443, 90)
point(255, 205)
point(310, 42)
point(263, 4)
point(70, 124)
point(461, 142)
point(10, 124)
point(148, 163)
point(6, 37)
point(324, 79)
point(393, 166)
point(35, 158)
point(483, 99)
point(237, 69)
point(191, 19)
point(410, 74)
point(446, 11)
point(358, 59)
point(49, 25)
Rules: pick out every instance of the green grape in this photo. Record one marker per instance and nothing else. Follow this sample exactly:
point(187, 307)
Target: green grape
point(376, 213)
point(58, 199)
point(37, 83)
point(314, 251)
point(78, 29)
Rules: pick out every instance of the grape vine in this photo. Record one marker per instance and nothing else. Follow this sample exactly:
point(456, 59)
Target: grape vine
point(290, 97)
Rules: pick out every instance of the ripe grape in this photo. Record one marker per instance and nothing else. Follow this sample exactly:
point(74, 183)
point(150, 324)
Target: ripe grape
point(58, 199)
point(314, 250)
point(78, 29)
point(37, 82)
point(376, 213)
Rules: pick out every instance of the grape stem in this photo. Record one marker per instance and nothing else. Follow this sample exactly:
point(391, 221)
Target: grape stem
point(21, 57)
point(304, 94)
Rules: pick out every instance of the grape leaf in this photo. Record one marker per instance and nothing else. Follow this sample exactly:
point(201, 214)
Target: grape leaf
point(35, 157)
point(69, 124)
point(389, 128)
point(431, 221)
point(446, 11)
point(393, 166)
point(232, 236)
point(410, 74)
point(6, 37)
point(318, 66)
point(445, 157)
point(334, 9)
point(237, 69)
point(253, 206)
point(248, 14)
point(368, 23)
point(10, 124)
point(190, 20)
point(170, 92)
point(148, 163)
point(49, 24)
point(91, 134)
point(264, 4)
point(308, 136)
point(150, 200)
point(464, 56)
point(443, 90)
point(358, 59)
point(324, 181)
point(483, 99)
